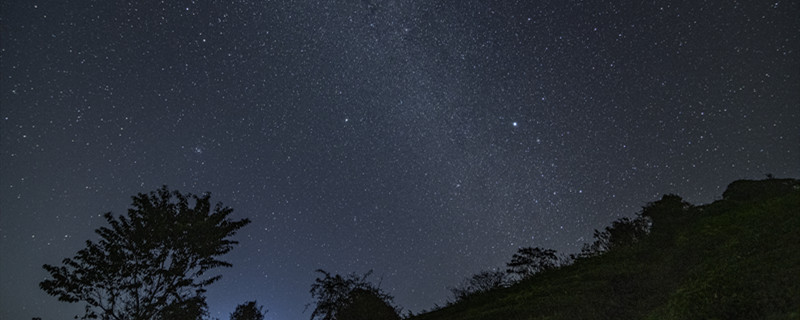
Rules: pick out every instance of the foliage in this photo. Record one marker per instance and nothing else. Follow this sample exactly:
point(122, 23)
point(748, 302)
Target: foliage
point(151, 263)
point(350, 297)
point(667, 213)
point(622, 232)
point(191, 308)
point(481, 282)
point(248, 311)
point(749, 190)
point(529, 261)
point(750, 270)
point(732, 259)
point(367, 305)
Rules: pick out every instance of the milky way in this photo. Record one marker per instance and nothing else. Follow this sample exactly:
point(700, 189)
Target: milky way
point(424, 140)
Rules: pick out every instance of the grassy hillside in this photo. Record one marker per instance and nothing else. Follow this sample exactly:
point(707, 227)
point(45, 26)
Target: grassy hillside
point(737, 258)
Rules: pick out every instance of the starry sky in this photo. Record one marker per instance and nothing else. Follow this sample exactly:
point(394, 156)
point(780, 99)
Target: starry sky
point(424, 140)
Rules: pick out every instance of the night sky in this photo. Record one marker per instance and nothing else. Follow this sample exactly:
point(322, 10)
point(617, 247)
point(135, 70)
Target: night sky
point(425, 140)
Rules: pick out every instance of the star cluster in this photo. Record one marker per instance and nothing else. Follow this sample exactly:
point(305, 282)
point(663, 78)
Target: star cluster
point(425, 140)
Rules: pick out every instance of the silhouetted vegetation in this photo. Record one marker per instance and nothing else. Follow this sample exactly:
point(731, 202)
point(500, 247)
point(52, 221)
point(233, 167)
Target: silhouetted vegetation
point(622, 232)
point(483, 281)
point(668, 213)
point(733, 259)
point(350, 298)
point(529, 261)
point(749, 190)
point(366, 304)
point(150, 263)
point(248, 311)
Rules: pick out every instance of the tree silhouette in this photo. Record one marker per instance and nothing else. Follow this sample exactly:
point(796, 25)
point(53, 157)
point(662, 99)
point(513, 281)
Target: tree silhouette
point(668, 212)
point(365, 304)
point(622, 232)
point(759, 190)
point(529, 261)
point(351, 297)
point(248, 311)
point(480, 282)
point(192, 308)
point(151, 263)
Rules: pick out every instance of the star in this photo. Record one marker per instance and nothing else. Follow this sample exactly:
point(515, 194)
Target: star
point(256, 109)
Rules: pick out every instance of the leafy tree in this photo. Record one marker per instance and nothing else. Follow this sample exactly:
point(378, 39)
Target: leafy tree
point(151, 263)
point(364, 304)
point(351, 297)
point(191, 308)
point(529, 261)
point(622, 232)
point(480, 282)
point(248, 311)
point(667, 213)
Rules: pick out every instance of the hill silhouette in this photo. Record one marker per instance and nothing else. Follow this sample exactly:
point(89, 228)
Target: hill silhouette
point(736, 258)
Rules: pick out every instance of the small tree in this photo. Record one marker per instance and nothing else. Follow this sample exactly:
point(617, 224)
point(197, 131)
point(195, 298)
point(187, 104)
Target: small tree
point(365, 304)
point(151, 263)
point(480, 282)
point(622, 232)
point(529, 261)
point(348, 298)
point(191, 308)
point(668, 212)
point(248, 311)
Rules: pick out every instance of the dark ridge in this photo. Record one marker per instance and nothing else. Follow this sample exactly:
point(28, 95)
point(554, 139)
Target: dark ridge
point(736, 258)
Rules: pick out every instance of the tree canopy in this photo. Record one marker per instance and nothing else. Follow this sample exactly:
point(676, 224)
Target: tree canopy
point(151, 263)
point(479, 282)
point(248, 311)
point(667, 212)
point(350, 298)
point(622, 232)
point(528, 261)
point(366, 304)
